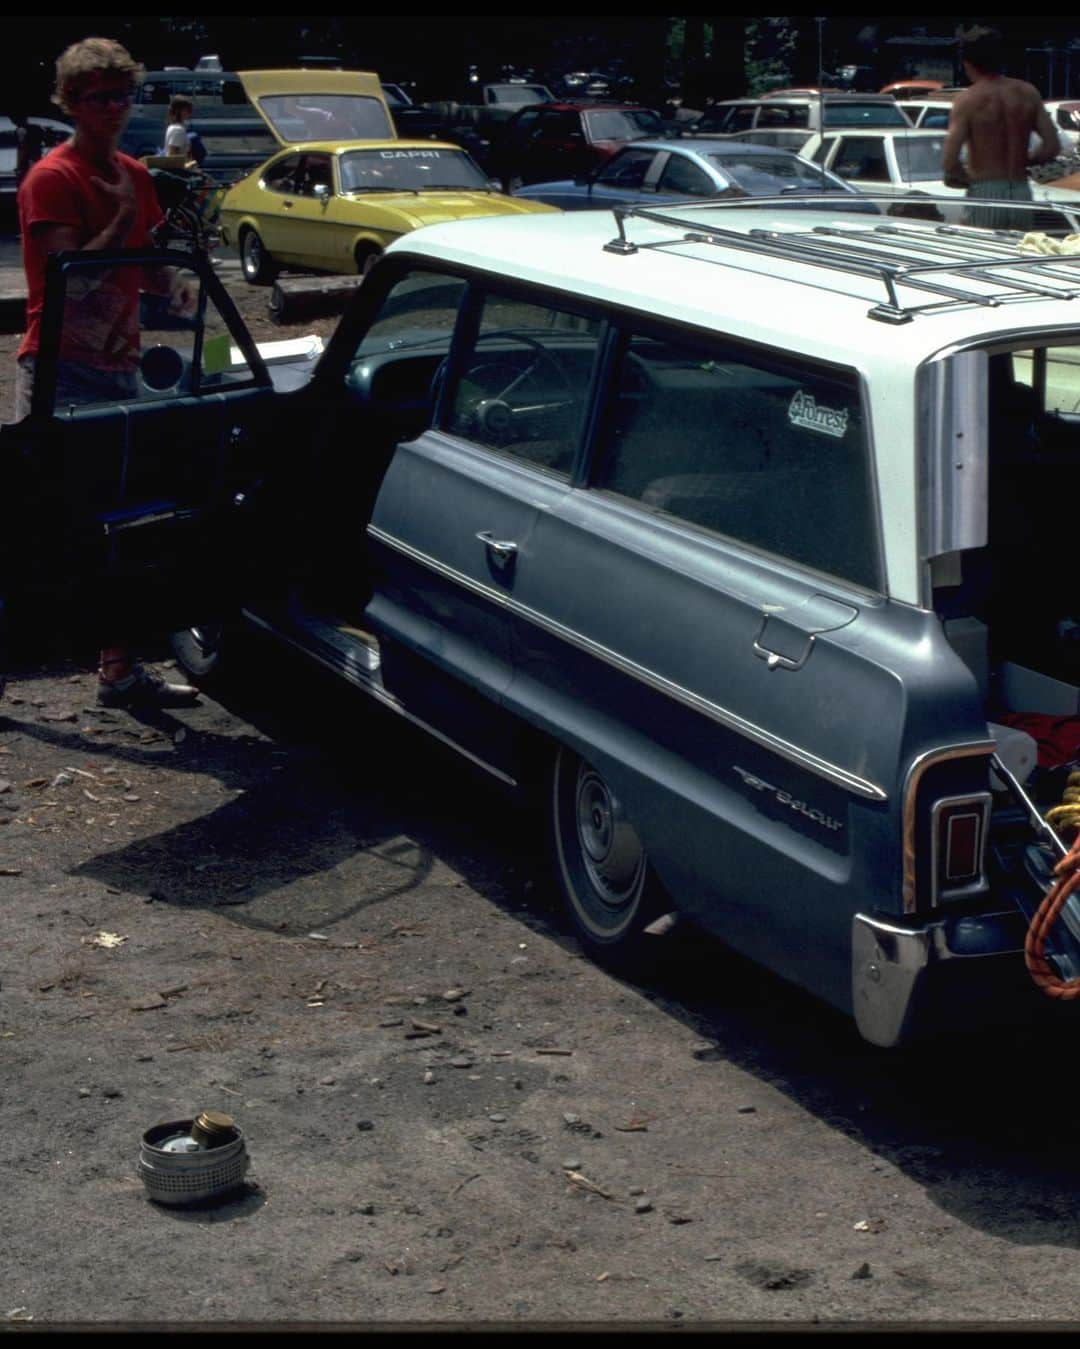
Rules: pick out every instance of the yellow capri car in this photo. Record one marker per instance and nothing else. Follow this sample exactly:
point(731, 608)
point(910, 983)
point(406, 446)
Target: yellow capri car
point(342, 186)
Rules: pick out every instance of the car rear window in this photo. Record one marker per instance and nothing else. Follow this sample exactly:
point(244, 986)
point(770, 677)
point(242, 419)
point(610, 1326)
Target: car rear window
point(614, 124)
point(864, 114)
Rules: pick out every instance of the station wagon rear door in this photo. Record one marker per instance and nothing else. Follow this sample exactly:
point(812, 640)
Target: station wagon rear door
point(683, 623)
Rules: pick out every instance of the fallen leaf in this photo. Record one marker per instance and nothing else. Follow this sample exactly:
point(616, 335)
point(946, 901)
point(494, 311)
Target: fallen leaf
point(586, 1184)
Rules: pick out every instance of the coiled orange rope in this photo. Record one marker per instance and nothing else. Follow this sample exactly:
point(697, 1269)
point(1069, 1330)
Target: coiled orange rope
point(1068, 873)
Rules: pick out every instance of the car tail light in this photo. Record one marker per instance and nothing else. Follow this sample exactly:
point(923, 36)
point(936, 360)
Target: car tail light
point(958, 846)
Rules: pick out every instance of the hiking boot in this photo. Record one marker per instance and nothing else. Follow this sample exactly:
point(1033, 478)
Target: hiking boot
point(144, 688)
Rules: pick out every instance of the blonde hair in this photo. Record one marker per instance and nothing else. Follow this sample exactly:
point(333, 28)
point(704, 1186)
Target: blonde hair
point(78, 64)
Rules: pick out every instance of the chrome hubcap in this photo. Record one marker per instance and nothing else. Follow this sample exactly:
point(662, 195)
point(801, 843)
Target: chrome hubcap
point(610, 849)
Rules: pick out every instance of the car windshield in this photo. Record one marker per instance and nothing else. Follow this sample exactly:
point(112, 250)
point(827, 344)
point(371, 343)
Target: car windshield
point(622, 124)
point(763, 175)
point(409, 171)
point(321, 117)
point(864, 114)
point(518, 93)
point(919, 159)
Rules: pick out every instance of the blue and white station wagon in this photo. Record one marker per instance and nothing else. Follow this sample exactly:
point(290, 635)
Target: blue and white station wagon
point(737, 525)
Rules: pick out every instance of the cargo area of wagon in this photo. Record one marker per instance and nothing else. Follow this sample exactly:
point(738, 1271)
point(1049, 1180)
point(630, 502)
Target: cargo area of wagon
point(1011, 610)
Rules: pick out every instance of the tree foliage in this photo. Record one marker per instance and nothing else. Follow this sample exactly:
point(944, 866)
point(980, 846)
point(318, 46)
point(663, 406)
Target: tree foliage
point(770, 53)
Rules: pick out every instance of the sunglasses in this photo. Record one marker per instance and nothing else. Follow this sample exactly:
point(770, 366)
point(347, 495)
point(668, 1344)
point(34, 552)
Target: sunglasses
point(104, 97)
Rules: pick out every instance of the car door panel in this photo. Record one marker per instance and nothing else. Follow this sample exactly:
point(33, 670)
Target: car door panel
point(132, 501)
point(654, 672)
point(441, 580)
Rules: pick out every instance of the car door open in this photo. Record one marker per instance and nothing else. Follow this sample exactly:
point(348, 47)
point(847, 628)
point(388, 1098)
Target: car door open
point(125, 485)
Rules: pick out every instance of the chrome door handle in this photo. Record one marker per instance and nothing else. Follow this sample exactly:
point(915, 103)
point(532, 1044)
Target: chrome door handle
point(502, 550)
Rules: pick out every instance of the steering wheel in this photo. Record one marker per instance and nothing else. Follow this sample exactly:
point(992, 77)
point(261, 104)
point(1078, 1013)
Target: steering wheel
point(492, 413)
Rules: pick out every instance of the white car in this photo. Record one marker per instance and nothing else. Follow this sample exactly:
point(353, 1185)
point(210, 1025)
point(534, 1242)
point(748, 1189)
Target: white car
point(932, 114)
point(52, 133)
point(1065, 115)
point(907, 163)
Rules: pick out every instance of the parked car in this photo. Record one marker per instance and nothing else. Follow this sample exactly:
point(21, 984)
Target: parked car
point(659, 172)
point(1065, 114)
point(901, 89)
point(233, 135)
point(798, 112)
point(333, 203)
point(714, 531)
point(52, 133)
point(897, 162)
point(556, 140)
point(909, 163)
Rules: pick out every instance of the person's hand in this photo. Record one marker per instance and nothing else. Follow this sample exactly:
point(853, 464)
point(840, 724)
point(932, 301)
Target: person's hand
point(121, 190)
point(183, 296)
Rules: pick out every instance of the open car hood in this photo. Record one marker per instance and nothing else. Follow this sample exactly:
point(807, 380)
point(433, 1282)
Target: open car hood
point(300, 106)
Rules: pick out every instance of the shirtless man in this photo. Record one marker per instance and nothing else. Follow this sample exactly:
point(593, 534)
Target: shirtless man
point(995, 120)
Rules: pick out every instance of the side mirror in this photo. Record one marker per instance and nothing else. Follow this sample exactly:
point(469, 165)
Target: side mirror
point(322, 191)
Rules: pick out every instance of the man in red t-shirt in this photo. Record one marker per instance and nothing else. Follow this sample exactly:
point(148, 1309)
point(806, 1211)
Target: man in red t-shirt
point(87, 195)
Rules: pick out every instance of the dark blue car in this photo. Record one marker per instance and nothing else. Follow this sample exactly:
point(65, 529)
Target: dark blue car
point(663, 171)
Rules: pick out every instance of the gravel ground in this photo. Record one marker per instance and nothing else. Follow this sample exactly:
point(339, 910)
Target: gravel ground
point(285, 905)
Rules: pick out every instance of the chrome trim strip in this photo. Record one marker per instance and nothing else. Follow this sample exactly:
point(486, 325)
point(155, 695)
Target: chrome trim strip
point(911, 788)
point(804, 758)
point(380, 694)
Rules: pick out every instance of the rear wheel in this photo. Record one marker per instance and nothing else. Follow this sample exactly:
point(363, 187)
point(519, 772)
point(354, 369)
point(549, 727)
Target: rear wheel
point(609, 889)
point(255, 262)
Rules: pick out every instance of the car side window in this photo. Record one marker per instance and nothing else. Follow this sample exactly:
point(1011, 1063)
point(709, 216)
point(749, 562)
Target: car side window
point(281, 177)
point(134, 333)
point(683, 176)
point(821, 154)
point(626, 169)
point(763, 451)
point(314, 171)
point(524, 383)
point(398, 366)
point(784, 115)
point(862, 157)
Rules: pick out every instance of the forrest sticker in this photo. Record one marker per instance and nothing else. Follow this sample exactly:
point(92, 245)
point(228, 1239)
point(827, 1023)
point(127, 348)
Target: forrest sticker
point(805, 411)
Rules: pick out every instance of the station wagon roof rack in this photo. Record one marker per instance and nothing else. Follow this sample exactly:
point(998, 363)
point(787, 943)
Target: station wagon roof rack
point(894, 254)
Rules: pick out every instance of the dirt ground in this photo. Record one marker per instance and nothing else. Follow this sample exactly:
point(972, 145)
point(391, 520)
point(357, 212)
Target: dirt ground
point(285, 905)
